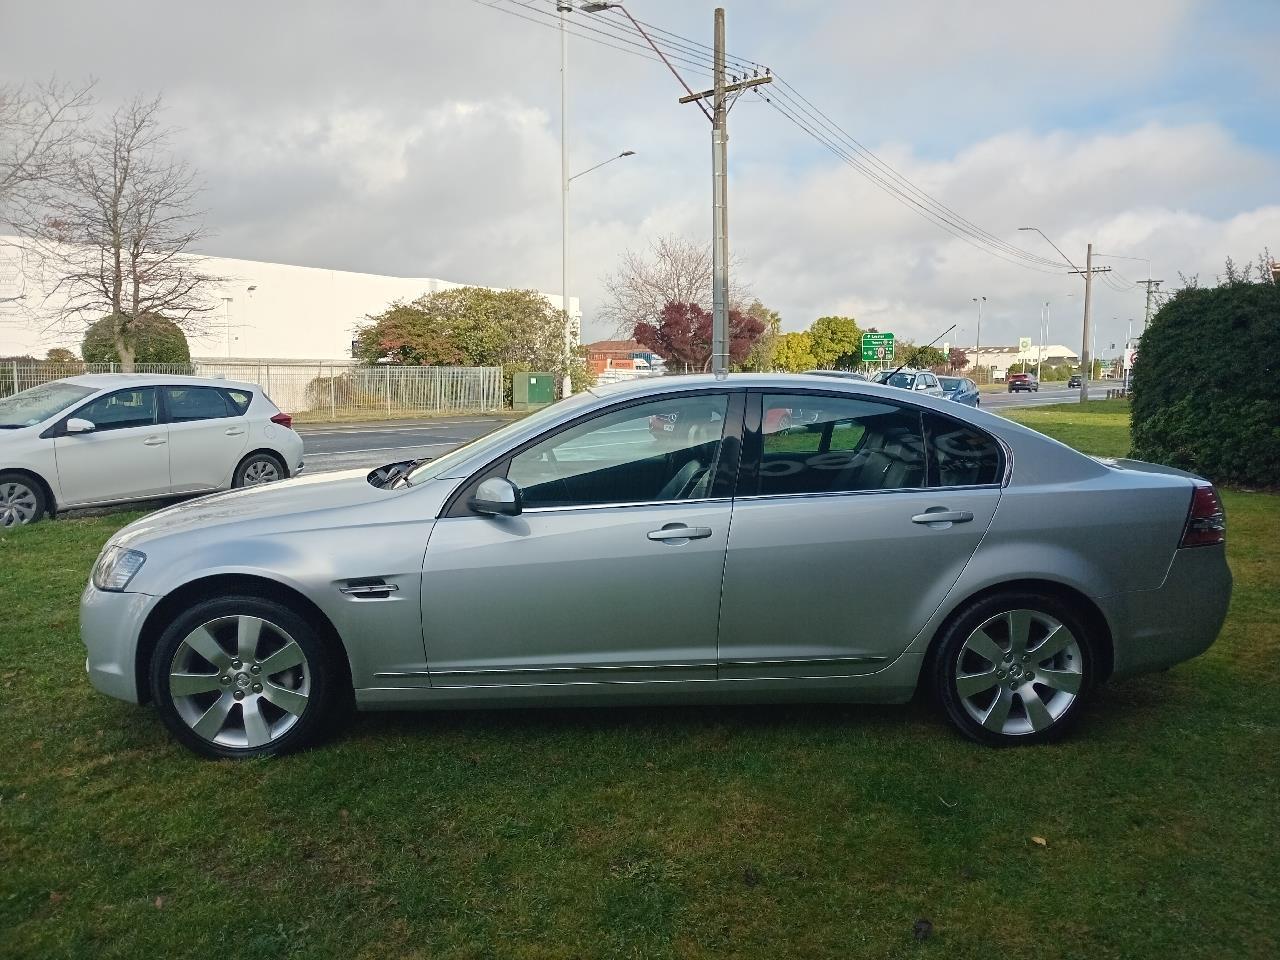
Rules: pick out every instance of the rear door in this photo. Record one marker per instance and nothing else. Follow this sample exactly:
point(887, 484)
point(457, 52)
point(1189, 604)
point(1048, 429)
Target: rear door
point(207, 437)
point(125, 457)
point(847, 533)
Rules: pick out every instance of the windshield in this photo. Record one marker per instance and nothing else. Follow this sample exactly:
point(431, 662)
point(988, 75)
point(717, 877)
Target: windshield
point(37, 404)
point(904, 380)
point(494, 440)
point(949, 383)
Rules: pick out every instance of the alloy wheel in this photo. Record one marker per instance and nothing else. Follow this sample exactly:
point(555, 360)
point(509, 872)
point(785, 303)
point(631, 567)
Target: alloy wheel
point(1019, 672)
point(239, 681)
point(18, 504)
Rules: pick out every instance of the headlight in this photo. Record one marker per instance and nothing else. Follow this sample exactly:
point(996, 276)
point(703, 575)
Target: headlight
point(116, 567)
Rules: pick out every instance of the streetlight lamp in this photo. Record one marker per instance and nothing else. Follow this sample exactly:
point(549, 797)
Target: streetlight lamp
point(977, 337)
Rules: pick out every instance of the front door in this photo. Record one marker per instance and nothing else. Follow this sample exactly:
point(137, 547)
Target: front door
point(834, 563)
point(611, 574)
point(207, 436)
point(125, 457)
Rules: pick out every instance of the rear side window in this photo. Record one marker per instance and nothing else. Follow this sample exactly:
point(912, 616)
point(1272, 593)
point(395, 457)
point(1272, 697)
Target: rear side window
point(186, 404)
point(959, 455)
point(814, 444)
point(239, 400)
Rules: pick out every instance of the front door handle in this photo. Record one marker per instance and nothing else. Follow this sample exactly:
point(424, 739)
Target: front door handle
point(678, 531)
point(154, 441)
point(941, 515)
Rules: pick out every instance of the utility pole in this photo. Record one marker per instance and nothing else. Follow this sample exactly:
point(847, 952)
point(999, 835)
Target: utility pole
point(720, 195)
point(1086, 361)
point(1151, 286)
point(977, 337)
point(563, 6)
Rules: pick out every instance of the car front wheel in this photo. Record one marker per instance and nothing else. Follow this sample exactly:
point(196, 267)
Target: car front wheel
point(1013, 668)
point(243, 676)
point(22, 500)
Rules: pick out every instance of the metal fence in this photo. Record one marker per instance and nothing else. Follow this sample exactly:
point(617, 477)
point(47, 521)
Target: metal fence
point(310, 390)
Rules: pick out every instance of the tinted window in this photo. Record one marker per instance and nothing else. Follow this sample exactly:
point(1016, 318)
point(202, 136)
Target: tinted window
point(959, 455)
point(184, 404)
point(815, 444)
point(239, 400)
point(120, 410)
point(665, 450)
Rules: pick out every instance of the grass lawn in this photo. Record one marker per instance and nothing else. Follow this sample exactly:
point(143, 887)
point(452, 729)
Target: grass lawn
point(746, 832)
point(1099, 427)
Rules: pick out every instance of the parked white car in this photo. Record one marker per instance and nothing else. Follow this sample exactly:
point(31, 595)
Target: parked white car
point(111, 438)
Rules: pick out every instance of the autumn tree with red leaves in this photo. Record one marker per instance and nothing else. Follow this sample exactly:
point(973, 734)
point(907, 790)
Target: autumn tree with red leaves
point(682, 336)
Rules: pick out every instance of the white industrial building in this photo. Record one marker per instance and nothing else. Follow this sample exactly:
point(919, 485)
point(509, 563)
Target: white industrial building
point(274, 310)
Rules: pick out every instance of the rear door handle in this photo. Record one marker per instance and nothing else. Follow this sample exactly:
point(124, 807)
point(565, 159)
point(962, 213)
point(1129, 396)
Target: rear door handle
point(943, 516)
point(235, 432)
point(680, 532)
point(154, 441)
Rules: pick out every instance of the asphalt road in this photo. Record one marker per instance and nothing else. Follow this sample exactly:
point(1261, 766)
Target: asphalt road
point(346, 446)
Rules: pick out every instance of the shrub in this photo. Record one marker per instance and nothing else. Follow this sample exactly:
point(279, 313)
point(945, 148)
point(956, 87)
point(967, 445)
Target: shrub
point(158, 340)
point(1206, 397)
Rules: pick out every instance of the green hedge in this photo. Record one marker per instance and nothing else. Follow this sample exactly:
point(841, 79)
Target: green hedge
point(1206, 395)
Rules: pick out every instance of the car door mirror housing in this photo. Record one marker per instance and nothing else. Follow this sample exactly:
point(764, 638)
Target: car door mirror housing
point(80, 425)
point(497, 497)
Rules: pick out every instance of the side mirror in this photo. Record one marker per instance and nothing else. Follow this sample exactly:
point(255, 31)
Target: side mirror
point(497, 496)
point(922, 386)
point(78, 425)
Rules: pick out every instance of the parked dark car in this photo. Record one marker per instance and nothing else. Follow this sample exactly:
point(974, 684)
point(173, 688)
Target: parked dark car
point(961, 390)
point(1074, 381)
point(1023, 381)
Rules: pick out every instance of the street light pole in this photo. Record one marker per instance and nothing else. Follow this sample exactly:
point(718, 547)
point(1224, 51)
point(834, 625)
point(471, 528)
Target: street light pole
point(563, 7)
point(977, 337)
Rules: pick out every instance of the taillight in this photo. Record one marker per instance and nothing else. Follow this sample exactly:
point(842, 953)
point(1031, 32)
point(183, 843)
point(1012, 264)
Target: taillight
point(1207, 522)
point(283, 419)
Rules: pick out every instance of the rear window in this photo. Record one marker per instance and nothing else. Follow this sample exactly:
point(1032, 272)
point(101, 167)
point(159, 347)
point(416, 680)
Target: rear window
point(240, 400)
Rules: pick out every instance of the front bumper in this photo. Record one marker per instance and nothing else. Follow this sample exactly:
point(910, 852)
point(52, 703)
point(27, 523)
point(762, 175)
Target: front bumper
point(110, 625)
point(1155, 629)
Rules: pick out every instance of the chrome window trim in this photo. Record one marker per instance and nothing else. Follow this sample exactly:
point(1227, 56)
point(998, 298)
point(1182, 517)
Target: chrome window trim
point(632, 503)
point(861, 493)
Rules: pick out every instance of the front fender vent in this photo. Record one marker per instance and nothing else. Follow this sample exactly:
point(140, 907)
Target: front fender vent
point(368, 588)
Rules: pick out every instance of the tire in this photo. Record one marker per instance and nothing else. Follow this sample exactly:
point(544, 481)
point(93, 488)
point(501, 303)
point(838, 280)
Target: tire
point(988, 697)
point(257, 469)
point(22, 500)
point(292, 707)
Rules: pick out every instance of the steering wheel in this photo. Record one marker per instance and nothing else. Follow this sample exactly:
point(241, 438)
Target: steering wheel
point(675, 486)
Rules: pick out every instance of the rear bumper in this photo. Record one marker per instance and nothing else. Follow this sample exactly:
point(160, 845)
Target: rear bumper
point(110, 624)
point(1155, 629)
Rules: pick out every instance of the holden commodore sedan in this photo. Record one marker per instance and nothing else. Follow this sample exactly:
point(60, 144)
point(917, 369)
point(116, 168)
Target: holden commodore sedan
point(897, 542)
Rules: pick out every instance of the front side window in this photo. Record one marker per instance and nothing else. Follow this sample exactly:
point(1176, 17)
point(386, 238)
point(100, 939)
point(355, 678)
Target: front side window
point(121, 410)
point(814, 444)
point(959, 455)
point(37, 404)
point(646, 453)
point(185, 404)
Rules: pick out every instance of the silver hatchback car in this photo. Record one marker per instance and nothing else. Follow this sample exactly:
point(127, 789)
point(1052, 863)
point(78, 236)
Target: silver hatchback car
point(684, 539)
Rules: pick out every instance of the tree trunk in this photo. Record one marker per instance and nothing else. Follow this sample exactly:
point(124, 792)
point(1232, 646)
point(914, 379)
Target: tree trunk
point(125, 348)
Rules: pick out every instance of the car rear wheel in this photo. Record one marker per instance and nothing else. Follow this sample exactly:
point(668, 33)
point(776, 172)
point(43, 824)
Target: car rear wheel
point(1013, 668)
point(258, 469)
point(243, 676)
point(22, 501)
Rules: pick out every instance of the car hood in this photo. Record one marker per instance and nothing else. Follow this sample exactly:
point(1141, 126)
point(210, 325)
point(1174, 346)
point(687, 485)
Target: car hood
point(288, 499)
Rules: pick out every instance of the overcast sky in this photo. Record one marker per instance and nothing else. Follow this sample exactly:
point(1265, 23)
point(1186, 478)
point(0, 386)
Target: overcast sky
point(422, 139)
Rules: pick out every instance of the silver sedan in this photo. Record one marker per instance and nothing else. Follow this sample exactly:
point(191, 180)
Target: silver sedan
point(683, 539)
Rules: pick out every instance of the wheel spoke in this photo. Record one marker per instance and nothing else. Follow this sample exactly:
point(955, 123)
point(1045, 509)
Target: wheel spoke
point(1019, 630)
point(982, 644)
point(1059, 639)
point(284, 698)
point(211, 722)
point(248, 629)
point(256, 730)
point(1060, 680)
point(998, 712)
point(290, 655)
point(1036, 711)
point(188, 684)
point(969, 684)
point(202, 642)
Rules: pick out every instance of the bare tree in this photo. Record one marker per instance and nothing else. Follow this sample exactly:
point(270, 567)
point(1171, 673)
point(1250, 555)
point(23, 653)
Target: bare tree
point(672, 270)
point(39, 125)
point(114, 232)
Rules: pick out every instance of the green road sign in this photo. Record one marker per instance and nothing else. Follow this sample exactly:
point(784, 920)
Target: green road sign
point(877, 347)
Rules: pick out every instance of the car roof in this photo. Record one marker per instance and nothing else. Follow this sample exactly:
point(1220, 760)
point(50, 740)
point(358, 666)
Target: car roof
point(112, 381)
